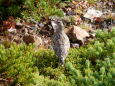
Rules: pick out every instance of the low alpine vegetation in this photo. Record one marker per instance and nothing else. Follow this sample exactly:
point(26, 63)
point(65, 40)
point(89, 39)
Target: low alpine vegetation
point(92, 65)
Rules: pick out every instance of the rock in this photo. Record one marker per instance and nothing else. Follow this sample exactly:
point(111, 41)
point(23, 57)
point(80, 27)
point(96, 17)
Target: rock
point(78, 35)
point(17, 39)
point(92, 34)
point(77, 20)
point(38, 41)
point(24, 31)
point(93, 13)
point(12, 30)
point(70, 12)
point(33, 21)
point(32, 39)
point(19, 25)
point(113, 15)
point(3, 82)
point(32, 27)
point(74, 45)
point(47, 42)
point(41, 25)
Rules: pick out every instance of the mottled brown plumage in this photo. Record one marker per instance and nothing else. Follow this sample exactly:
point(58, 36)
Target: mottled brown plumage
point(60, 40)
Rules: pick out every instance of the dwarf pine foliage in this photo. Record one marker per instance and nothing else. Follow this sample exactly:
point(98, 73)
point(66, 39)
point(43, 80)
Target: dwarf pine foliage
point(91, 65)
point(29, 9)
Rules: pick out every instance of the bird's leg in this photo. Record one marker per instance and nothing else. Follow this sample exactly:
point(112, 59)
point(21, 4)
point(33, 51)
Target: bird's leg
point(62, 61)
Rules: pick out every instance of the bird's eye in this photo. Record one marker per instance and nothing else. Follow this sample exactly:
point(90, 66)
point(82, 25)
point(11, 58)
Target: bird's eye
point(58, 22)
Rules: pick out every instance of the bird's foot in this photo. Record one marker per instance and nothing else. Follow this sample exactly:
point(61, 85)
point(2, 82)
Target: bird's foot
point(62, 62)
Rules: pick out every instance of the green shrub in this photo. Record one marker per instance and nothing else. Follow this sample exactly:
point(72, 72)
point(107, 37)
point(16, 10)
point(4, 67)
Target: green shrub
point(21, 65)
point(94, 64)
point(91, 65)
point(10, 8)
point(30, 9)
point(17, 62)
point(46, 58)
point(40, 9)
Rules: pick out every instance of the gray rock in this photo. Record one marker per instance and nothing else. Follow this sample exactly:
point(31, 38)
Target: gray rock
point(92, 13)
point(75, 45)
point(19, 25)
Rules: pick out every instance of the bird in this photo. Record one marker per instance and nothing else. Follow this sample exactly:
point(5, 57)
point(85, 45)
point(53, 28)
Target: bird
point(60, 40)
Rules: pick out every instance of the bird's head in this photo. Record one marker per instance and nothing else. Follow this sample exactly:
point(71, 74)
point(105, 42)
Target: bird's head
point(57, 24)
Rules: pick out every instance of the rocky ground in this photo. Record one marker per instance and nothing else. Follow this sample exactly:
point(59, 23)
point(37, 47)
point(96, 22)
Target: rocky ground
point(81, 19)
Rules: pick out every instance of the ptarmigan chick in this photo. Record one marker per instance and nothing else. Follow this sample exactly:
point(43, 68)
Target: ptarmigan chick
point(60, 40)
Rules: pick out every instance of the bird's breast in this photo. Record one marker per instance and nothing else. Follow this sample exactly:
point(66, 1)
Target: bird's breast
point(60, 40)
